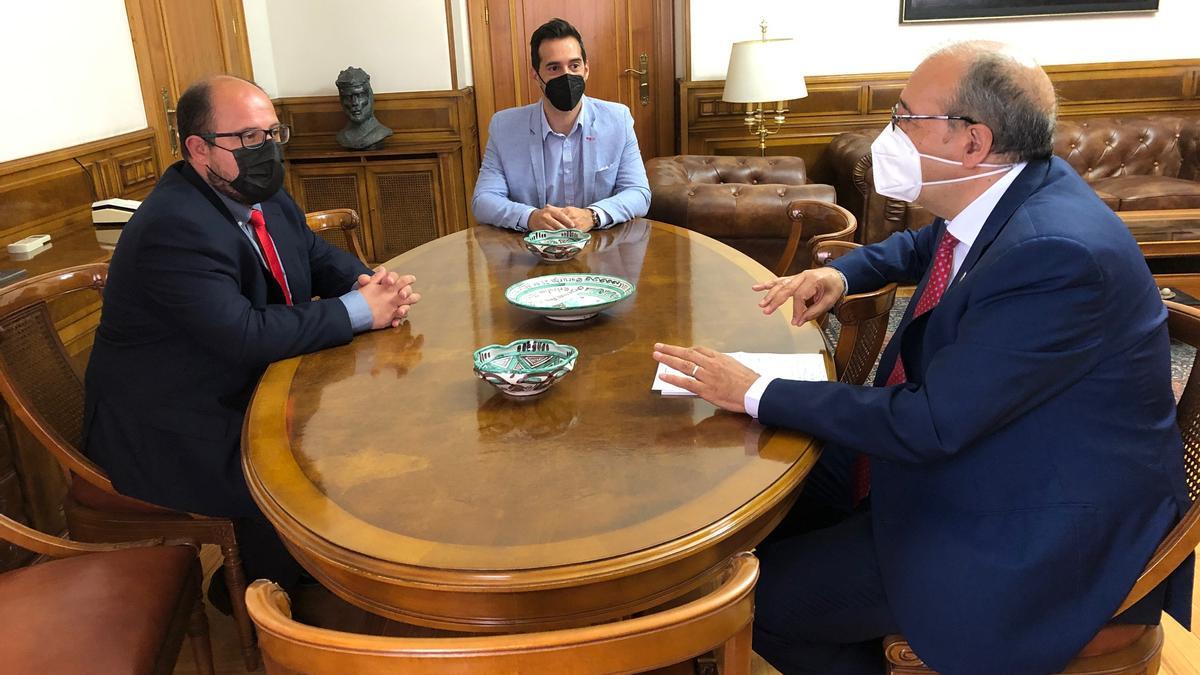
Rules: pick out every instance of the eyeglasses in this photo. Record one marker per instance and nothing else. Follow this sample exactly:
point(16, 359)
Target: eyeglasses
point(253, 139)
point(896, 117)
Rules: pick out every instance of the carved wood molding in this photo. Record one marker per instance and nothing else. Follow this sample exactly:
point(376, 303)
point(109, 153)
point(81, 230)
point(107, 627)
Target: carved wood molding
point(838, 103)
point(53, 191)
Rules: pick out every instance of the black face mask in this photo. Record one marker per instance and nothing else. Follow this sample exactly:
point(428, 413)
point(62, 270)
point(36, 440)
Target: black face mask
point(564, 91)
point(260, 171)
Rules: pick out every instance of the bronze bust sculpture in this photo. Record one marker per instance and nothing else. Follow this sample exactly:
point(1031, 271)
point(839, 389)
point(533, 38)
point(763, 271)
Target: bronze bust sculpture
point(363, 131)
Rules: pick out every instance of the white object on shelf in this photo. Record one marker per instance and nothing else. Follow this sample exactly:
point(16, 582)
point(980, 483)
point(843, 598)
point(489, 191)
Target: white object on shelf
point(113, 210)
point(30, 243)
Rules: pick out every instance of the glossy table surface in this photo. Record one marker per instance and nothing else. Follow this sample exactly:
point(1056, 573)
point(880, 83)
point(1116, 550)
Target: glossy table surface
point(392, 471)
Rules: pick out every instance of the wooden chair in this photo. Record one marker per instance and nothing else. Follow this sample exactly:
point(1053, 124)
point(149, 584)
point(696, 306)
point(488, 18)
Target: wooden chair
point(100, 608)
point(863, 316)
point(44, 391)
point(345, 220)
point(830, 216)
point(720, 618)
point(1130, 649)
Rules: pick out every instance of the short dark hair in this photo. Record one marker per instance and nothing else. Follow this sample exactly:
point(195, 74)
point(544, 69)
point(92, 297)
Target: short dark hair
point(193, 111)
point(554, 29)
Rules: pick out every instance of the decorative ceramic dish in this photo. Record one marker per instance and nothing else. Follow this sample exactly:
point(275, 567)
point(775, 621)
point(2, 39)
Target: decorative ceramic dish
point(569, 297)
point(524, 367)
point(556, 245)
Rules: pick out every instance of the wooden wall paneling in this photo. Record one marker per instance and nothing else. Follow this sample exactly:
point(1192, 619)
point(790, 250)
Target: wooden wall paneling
point(846, 102)
point(432, 161)
point(52, 193)
point(478, 15)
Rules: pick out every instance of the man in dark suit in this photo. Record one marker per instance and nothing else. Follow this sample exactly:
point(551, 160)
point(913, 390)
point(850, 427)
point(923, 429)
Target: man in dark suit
point(1020, 442)
point(212, 281)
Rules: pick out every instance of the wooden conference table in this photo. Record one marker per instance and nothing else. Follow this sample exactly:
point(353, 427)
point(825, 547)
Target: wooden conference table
point(416, 491)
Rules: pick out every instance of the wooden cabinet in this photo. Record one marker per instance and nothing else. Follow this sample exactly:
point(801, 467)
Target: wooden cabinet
point(403, 201)
point(413, 189)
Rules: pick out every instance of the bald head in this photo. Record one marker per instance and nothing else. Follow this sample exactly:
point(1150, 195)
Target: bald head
point(197, 109)
point(1004, 90)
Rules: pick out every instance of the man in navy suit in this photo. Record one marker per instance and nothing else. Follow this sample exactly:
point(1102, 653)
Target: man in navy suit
point(1020, 439)
point(567, 161)
point(212, 280)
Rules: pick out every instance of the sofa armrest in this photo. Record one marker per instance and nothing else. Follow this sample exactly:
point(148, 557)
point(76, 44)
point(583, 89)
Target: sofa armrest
point(850, 156)
point(1189, 150)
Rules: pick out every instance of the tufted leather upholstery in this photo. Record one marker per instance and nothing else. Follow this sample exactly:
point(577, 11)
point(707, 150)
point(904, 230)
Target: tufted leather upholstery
point(98, 613)
point(1133, 163)
point(740, 201)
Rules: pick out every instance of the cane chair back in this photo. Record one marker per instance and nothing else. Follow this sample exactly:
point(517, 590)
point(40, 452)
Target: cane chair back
point(863, 318)
point(44, 391)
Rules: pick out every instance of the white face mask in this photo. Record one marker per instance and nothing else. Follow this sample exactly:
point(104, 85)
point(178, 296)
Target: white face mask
point(896, 166)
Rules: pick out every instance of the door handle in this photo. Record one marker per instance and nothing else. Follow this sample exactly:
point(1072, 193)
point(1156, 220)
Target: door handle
point(643, 77)
point(172, 130)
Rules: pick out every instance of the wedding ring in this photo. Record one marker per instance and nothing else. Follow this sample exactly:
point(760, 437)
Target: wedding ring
point(695, 369)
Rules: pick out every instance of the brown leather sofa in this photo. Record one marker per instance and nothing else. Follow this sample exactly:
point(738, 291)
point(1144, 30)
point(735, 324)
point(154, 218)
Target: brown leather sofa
point(740, 201)
point(1134, 163)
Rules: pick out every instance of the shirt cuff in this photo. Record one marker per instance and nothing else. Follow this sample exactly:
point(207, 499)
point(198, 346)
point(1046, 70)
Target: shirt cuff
point(605, 219)
point(754, 395)
point(845, 284)
point(358, 309)
point(523, 220)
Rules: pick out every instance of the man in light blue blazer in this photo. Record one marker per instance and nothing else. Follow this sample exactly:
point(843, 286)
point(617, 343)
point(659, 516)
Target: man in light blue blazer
point(567, 161)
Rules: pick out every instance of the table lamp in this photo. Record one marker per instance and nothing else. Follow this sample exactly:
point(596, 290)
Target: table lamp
point(764, 70)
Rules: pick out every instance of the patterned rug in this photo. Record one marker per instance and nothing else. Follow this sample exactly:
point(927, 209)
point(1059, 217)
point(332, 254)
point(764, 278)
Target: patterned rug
point(1182, 355)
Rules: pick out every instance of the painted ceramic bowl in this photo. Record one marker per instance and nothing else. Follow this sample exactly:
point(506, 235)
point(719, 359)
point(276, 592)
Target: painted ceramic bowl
point(569, 297)
point(556, 245)
point(525, 367)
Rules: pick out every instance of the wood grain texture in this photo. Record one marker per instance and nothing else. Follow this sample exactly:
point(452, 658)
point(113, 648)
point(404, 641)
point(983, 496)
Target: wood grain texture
point(838, 103)
point(418, 492)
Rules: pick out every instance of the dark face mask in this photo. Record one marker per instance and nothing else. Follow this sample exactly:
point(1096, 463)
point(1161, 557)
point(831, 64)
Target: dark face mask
point(564, 91)
point(260, 172)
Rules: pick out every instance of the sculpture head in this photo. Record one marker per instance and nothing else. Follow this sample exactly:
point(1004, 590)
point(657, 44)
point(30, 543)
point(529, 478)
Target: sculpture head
point(354, 90)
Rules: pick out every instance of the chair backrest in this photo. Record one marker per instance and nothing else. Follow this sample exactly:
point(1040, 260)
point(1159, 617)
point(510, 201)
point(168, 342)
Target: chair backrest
point(722, 617)
point(1183, 323)
point(834, 223)
point(340, 227)
point(38, 380)
point(863, 318)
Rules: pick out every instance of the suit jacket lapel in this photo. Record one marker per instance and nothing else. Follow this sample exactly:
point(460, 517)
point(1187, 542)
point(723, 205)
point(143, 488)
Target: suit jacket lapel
point(536, 156)
point(1032, 176)
point(588, 148)
point(891, 352)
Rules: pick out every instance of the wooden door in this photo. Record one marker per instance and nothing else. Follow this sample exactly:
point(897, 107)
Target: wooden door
point(178, 42)
point(622, 37)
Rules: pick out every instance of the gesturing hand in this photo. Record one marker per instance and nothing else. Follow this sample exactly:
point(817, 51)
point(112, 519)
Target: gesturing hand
point(814, 291)
point(715, 377)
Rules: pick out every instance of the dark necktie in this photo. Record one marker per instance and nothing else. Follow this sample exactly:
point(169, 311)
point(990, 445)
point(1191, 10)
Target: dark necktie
point(269, 254)
point(939, 279)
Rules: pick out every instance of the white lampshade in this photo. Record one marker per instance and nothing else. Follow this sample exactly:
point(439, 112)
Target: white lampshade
point(764, 70)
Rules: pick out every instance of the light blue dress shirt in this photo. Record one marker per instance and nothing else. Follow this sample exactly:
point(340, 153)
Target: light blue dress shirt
point(355, 303)
point(562, 155)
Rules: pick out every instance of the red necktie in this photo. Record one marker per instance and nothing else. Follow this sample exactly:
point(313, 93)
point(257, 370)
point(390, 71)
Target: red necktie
point(268, 248)
point(939, 279)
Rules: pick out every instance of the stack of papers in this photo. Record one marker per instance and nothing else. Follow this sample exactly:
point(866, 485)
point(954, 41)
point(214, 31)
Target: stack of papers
point(809, 367)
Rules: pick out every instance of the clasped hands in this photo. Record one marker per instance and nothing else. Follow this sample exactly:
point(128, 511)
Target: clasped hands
point(560, 218)
point(721, 380)
point(389, 295)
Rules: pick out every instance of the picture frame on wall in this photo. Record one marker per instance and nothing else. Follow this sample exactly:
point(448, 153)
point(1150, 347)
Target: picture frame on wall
point(916, 11)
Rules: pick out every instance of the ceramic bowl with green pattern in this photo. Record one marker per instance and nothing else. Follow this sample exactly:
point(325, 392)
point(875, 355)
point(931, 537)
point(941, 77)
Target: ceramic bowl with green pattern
point(569, 297)
point(556, 245)
point(525, 367)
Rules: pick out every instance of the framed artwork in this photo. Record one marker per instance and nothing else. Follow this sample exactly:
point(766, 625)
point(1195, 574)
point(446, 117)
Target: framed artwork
point(912, 11)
